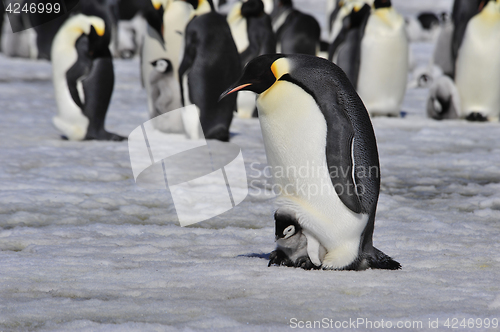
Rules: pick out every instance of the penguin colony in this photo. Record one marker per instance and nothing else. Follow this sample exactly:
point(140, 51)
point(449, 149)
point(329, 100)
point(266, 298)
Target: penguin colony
point(265, 58)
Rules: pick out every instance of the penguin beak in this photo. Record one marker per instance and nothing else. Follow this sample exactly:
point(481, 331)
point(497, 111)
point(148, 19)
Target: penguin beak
point(99, 31)
point(231, 90)
point(156, 4)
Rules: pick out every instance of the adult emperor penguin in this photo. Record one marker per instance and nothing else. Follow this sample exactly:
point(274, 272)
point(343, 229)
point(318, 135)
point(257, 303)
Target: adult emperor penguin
point(312, 118)
point(384, 60)
point(478, 66)
point(211, 62)
point(83, 78)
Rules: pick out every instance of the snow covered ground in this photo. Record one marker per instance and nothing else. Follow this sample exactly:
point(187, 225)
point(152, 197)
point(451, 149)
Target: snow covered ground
point(82, 248)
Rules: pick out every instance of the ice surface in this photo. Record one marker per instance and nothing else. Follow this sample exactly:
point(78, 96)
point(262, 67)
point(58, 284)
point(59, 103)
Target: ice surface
point(82, 248)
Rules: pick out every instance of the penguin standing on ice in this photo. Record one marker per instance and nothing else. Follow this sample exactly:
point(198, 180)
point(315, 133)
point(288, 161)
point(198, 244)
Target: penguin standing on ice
point(83, 75)
point(296, 32)
point(477, 70)
point(383, 71)
point(311, 116)
point(211, 62)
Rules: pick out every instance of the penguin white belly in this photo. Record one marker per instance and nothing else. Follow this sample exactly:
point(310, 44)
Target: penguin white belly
point(178, 15)
point(69, 119)
point(239, 33)
point(245, 103)
point(383, 71)
point(268, 6)
point(478, 66)
point(294, 132)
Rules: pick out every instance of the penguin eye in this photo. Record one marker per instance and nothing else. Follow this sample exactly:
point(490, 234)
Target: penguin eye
point(289, 231)
point(161, 66)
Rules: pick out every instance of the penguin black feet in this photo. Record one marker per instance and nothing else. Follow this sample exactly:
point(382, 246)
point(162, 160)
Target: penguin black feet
point(476, 117)
point(279, 258)
point(105, 136)
point(218, 132)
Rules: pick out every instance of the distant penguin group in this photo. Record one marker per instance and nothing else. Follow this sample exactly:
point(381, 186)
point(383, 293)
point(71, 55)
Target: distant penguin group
point(471, 46)
point(371, 46)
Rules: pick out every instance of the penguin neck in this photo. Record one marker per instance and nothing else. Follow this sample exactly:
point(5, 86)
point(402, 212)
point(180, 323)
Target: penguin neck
point(491, 12)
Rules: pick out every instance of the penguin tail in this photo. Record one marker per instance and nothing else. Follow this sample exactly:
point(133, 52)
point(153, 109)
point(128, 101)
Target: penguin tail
point(379, 260)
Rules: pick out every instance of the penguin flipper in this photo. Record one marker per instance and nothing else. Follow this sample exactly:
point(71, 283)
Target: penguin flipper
point(188, 59)
point(79, 70)
point(379, 260)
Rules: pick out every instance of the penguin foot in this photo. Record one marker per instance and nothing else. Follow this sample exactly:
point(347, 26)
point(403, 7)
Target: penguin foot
point(218, 132)
point(305, 263)
point(105, 136)
point(279, 258)
point(476, 117)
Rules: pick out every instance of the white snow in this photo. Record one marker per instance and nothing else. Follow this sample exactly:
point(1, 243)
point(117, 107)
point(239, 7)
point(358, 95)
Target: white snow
point(82, 248)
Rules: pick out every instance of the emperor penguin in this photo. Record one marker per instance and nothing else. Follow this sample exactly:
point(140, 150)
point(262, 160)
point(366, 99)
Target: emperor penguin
point(383, 71)
point(443, 101)
point(296, 32)
point(83, 78)
point(312, 118)
point(478, 66)
point(211, 62)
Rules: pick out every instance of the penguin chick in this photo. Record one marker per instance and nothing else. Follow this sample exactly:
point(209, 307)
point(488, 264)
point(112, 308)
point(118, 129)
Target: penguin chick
point(291, 244)
point(443, 101)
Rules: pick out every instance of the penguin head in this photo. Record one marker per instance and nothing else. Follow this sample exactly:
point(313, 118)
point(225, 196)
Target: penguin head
point(260, 74)
point(358, 14)
point(286, 227)
point(382, 4)
point(153, 13)
point(252, 8)
point(162, 65)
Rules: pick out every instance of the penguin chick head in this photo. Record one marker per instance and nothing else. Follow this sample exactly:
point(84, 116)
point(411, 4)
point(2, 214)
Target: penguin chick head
point(260, 74)
point(382, 4)
point(162, 65)
point(286, 227)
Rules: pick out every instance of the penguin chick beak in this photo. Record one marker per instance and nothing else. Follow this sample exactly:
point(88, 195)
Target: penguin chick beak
point(231, 90)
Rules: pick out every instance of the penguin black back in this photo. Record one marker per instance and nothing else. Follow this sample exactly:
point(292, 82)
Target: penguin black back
point(213, 62)
point(348, 43)
point(259, 29)
point(300, 33)
point(463, 11)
